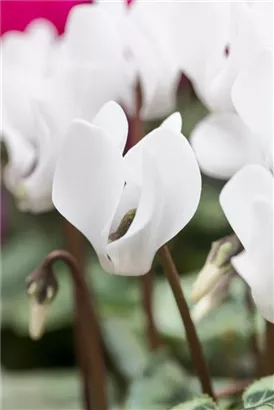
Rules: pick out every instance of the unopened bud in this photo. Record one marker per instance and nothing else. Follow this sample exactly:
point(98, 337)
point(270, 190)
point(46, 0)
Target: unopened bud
point(213, 299)
point(217, 264)
point(42, 288)
point(37, 318)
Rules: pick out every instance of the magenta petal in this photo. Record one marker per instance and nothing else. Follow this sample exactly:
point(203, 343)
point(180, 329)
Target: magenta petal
point(16, 15)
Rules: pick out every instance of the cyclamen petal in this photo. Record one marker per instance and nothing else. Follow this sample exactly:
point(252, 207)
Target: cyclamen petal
point(88, 181)
point(223, 145)
point(163, 184)
point(247, 200)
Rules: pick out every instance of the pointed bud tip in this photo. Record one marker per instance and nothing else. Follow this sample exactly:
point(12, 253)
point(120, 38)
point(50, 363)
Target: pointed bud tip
point(38, 313)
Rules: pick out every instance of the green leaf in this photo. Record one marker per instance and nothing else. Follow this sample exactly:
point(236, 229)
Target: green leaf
point(45, 390)
point(199, 403)
point(127, 349)
point(260, 395)
point(41, 390)
point(162, 384)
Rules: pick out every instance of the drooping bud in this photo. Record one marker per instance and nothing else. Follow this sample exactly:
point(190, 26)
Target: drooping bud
point(42, 288)
point(218, 263)
point(217, 295)
point(124, 225)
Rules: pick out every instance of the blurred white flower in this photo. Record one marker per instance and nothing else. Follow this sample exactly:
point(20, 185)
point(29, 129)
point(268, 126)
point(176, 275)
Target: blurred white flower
point(127, 207)
point(225, 142)
point(247, 201)
point(26, 59)
point(33, 191)
point(168, 38)
point(85, 72)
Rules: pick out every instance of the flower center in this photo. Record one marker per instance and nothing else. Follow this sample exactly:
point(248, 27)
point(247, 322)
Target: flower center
point(123, 226)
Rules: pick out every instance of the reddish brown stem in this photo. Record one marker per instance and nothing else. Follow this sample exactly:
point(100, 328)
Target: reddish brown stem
point(90, 356)
point(152, 334)
point(269, 349)
point(75, 243)
point(194, 344)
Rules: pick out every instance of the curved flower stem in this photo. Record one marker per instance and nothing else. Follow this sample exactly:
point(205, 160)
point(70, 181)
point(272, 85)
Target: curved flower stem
point(269, 349)
point(191, 334)
point(152, 334)
point(75, 243)
point(87, 332)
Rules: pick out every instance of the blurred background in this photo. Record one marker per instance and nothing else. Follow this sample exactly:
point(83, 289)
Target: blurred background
point(42, 375)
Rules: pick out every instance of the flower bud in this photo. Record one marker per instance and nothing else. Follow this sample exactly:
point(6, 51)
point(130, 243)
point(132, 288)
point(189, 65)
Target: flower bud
point(42, 288)
point(217, 295)
point(216, 265)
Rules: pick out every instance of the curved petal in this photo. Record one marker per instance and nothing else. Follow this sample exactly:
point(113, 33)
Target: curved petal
point(263, 295)
point(179, 173)
point(223, 145)
point(173, 122)
point(113, 120)
point(147, 54)
point(88, 181)
point(134, 252)
point(252, 95)
point(37, 185)
point(77, 92)
point(92, 36)
point(29, 50)
point(22, 157)
point(238, 195)
point(17, 112)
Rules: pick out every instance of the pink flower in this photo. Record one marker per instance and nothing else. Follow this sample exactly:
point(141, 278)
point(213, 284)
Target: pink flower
point(16, 15)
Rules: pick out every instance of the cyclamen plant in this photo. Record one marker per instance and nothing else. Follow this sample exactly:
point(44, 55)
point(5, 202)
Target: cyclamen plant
point(66, 136)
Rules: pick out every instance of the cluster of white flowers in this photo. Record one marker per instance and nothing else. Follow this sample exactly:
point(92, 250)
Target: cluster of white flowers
point(61, 131)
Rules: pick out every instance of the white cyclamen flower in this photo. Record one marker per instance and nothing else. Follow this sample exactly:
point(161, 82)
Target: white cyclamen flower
point(225, 142)
point(247, 201)
point(153, 191)
point(86, 75)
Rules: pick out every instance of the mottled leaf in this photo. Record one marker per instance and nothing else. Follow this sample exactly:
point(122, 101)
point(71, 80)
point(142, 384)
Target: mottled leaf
point(260, 395)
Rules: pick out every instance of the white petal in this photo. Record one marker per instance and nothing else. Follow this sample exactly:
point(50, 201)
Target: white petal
point(77, 92)
point(92, 35)
point(37, 186)
point(17, 112)
point(180, 177)
point(173, 122)
point(22, 157)
point(170, 190)
point(237, 198)
point(29, 50)
point(113, 120)
point(133, 253)
point(263, 294)
point(223, 145)
point(252, 95)
point(88, 181)
point(129, 200)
